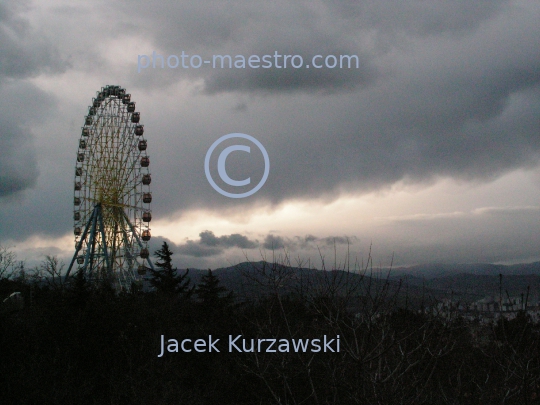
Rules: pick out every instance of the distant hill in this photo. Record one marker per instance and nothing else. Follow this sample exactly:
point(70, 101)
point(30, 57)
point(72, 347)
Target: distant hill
point(428, 271)
point(255, 279)
point(468, 282)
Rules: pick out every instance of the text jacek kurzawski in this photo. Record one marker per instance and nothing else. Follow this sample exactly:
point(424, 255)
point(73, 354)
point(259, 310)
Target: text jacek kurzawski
point(239, 344)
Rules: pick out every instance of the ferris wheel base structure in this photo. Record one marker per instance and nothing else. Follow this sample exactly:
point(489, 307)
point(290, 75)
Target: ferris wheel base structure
point(112, 194)
point(94, 235)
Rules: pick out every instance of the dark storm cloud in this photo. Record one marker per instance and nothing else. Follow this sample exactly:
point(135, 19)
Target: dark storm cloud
point(18, 165)
point(24, 52)
point(386, 21)
point(447, 89)
point(417, 17)
point(211, 245)
point(18, 168)
point(287, 80)
point(191, 248)
point(234, 240)
point(336, 27)
point(257, 28)
point(308, 242)
point(272, 242)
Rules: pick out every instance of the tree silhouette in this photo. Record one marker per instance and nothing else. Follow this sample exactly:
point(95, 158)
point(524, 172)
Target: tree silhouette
point(7, 262)
point(166, 280)
point(211, 293)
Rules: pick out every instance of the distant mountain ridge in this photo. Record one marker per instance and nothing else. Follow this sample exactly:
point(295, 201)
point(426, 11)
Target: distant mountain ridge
point(469, 281)
point(422, 271)
point(434, 270)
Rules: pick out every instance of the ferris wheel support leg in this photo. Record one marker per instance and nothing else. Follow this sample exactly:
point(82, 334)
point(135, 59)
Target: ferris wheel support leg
point(90, 253)
point(138, 240)
point(128, 256)
point(104, 242)
point(79, 245)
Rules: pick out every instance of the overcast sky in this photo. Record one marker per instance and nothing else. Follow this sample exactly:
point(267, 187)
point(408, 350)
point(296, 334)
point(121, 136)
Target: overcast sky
point(427, 152)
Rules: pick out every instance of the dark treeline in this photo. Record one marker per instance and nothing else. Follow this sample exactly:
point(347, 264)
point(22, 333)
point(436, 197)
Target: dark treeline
point(82, 343)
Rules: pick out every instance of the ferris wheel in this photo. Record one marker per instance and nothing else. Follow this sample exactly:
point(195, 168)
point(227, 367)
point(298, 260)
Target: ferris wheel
point(112, 194)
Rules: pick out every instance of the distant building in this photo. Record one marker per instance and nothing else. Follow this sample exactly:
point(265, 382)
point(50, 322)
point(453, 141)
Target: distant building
point(487, 310)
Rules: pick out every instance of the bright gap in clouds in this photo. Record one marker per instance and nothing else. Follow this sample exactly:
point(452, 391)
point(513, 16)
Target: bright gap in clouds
point(384, 218)
point(348, 215)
